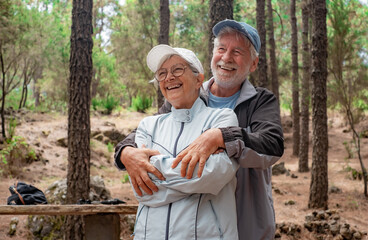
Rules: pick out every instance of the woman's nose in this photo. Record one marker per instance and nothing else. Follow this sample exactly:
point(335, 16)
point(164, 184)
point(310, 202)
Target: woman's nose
point(169, 77)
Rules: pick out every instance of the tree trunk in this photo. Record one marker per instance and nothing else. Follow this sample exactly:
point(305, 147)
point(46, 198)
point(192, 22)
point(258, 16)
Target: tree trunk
point(36, 88)
point(272, 48)
point(295, 80)
point(318, 196)
point(261, 27)
point(3, 95)
point(304, 138)
point(219, 10)
point(79, 109)
point(24, 85)
point(163, 38)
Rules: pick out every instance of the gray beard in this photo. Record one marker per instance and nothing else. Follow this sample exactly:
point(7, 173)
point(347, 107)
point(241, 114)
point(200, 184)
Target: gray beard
point(228, 84)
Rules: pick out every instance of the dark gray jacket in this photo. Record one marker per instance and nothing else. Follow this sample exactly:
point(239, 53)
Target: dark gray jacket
point(257, 144)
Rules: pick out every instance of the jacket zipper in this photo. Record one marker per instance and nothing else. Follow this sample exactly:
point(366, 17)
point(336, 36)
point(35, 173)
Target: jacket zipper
point(196, 218)
point(217, 221)
point(170, 205)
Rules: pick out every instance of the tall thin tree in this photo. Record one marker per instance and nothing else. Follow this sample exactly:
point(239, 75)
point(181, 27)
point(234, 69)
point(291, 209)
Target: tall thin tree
point(318, 195)
point(295, 79)
point(304, 137)
point(272, 49)
point(219, 10)
point(261, 27)
point(163, 37)
point(79, 131)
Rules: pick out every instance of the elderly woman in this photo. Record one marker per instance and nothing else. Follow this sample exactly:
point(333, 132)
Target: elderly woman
point(201, 207)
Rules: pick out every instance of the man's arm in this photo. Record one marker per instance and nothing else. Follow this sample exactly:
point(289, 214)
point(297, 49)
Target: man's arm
point(259, 145)
point(136, 161)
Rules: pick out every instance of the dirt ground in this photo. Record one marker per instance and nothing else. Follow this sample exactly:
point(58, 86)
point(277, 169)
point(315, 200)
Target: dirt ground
point(43, 130)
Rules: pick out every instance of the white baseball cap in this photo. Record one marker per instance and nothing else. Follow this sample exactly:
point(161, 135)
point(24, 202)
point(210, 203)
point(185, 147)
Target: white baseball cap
point(159, 54)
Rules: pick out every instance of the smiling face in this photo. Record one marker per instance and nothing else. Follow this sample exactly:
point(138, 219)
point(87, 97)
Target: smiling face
point(180, 91)
point(232, 62)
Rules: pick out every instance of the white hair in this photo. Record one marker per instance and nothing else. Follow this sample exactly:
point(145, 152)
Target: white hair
point(230, 30)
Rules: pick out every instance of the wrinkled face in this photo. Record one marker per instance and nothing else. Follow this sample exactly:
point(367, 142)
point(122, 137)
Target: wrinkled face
point(180, 91)
point(231, 62)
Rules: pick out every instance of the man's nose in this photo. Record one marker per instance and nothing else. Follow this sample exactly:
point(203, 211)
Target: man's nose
point(226, 56)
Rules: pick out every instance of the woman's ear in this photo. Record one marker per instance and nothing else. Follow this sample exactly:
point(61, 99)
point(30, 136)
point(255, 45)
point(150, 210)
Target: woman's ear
point(200, 79)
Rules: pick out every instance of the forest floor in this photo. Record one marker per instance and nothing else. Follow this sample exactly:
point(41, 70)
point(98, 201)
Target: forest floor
point(43, 130)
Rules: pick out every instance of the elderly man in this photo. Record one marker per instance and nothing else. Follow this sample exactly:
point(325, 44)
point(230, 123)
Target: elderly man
point(256, 144)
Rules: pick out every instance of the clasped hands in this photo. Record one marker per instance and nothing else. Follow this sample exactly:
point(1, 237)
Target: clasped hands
point(137, 164)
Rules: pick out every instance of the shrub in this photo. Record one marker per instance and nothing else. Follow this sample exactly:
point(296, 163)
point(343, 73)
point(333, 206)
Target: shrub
point(141, 104)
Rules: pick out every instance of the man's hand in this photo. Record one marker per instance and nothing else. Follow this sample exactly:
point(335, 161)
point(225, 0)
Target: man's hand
point(136, 162)
point(198, 152)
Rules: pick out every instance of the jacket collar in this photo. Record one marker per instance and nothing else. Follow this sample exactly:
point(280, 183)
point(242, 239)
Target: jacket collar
point(187, 115)
point(247, 91)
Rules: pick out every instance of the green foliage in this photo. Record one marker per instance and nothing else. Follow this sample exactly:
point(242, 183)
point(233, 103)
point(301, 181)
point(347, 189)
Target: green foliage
point(347, 146)
point(11, 129)
point(106, 105)
point(110, 147)
point(110, 103)
point(141, 103)
point(14, 153)
point(125, 179)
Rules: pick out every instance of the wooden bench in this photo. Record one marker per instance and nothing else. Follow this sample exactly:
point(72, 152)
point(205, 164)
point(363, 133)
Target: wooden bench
point(102, 222)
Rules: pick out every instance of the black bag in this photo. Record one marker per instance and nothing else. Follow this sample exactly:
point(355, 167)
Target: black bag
point(25, 194)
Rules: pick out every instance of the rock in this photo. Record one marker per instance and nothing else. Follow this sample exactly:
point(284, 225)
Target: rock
point(278, 169)
point(357, 235)
point(335, 229)
point(62, 142)
point(46, 133)
point(109, 124)
point(278, 191)
point(13, 226)
point(345, 231)
point(290, 202)
point(99, 137)
point(277, 233)
point(114, 136)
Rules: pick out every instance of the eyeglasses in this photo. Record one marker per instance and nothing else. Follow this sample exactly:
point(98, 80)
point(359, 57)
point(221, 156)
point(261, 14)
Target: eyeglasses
point(177, 70)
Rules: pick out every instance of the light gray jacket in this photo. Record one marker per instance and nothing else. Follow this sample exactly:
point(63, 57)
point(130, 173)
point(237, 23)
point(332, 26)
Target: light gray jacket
point(257, 143)
point(197, 208)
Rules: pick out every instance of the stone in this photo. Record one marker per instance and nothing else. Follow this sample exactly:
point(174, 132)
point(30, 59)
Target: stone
point(335, 229)
point(13, 226)
point(278, 169)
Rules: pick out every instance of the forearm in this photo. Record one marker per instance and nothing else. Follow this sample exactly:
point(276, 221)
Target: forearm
point(254, 150)
point(219, 170)
point(128, 141)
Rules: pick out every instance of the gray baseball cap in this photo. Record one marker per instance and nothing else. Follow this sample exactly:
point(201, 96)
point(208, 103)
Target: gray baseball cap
point(247, 30)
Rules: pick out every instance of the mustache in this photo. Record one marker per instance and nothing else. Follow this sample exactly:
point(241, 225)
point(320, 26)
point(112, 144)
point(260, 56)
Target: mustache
point(227, 65)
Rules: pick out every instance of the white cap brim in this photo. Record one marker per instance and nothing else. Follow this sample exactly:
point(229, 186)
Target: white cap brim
point(159, 53)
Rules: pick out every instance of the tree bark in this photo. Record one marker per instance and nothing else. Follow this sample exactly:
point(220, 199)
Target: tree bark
point(163, 38)
point(4, 94)
point(304, 138)
point(295, 80)
point(261, 28)
point(219, 10)
point(318, 196)
point(272, 48)
point(79, 109)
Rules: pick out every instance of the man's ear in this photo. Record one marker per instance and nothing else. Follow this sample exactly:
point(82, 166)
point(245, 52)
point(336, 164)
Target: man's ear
point(254, 65)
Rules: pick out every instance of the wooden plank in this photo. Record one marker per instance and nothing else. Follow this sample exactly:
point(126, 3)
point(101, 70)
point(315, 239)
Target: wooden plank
point(86, 209)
